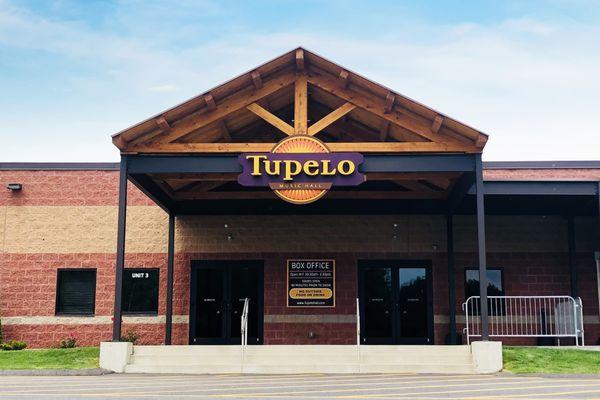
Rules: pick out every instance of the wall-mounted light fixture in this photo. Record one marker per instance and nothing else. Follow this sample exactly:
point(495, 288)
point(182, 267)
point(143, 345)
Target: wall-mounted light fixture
point(15, 187)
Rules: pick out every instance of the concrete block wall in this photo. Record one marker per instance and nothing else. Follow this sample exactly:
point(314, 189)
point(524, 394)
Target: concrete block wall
point(68, 219)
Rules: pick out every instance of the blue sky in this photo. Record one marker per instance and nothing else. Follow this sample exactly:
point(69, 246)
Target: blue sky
point(74, 72)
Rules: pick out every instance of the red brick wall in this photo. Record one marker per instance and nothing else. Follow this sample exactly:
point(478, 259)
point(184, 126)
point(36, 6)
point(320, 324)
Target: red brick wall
point(28, 279)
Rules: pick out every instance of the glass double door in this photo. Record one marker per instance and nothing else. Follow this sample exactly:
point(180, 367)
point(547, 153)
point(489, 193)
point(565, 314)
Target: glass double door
point(218, 291)
point(396, 304)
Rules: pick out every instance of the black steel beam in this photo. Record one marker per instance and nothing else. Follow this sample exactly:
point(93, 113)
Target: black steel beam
point(572, 260)
point(460, 190)
point(481, 252)
point(184, 164)
point(372, 163)
point(149, 187)
point(170, 261)
point(546, 188)
point(418, 163)
point(451, 278)
point(120, 264)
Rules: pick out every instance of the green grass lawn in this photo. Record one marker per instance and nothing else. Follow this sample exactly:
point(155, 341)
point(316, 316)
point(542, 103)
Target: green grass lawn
point(550, 361)
point(77, 358)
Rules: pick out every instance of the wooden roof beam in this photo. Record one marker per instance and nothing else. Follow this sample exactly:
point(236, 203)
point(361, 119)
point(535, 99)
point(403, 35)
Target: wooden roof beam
point(301, 106)
point(383, 132)
point(363, 147)
point(271, 119)
point(481, 141)
point(224, 131)
point(378, 107)
point(330, 118)
point(225, 108)
point(300, 59)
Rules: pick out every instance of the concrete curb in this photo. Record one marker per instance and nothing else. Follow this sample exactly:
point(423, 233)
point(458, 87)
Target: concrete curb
point(55, 372)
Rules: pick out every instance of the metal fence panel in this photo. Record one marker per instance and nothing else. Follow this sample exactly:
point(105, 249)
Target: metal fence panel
point(527, 316)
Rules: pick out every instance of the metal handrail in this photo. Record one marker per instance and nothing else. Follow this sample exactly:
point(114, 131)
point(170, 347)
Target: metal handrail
point(527, 316)
point(244, 321)
point(357, 322)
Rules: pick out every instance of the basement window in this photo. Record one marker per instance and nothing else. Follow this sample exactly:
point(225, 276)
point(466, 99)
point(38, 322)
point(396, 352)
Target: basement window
point(76, 292)
point(140, 291)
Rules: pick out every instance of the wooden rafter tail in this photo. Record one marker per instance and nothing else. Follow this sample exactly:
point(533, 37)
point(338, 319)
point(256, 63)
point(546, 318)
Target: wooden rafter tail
point(300, 59)
point(301, 105)
point(390, 99)
point(330, 118)
point(162, 124)
point(210, 102)
point(271, 119)
point(437, 123)
point(345, 78)
point(256, 79)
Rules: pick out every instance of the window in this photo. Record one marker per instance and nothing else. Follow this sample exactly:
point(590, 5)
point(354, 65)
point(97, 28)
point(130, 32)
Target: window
point(495, 287)
point(140, 291)
point(76, 292)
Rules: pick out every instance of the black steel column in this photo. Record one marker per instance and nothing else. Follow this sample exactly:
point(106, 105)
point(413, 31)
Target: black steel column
point(120, 264)
point(483, 281)
point(598, 223)
point(572, 262)
point(451, 278)
point(170, 259)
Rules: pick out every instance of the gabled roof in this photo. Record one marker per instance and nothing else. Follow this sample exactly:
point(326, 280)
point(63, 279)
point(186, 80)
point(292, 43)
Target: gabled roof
point(300, 92)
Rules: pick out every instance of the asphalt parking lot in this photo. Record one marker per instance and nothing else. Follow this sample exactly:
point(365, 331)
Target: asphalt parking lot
point(314, 386)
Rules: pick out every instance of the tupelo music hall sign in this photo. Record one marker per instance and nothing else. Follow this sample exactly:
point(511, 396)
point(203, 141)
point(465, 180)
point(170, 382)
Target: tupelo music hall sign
point(300, 169)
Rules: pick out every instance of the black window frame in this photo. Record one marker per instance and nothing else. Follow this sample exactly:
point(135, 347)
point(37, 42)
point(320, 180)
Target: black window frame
point(501, 269)
point(491, 308)
point(143, 313)
point(56, 302)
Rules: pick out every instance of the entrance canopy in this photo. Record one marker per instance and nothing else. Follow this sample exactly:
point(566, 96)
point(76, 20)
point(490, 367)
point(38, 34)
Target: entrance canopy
point(186, 158)
point(416, 159)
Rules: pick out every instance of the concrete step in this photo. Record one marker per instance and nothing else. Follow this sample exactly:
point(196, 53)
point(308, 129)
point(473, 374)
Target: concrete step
point(301, 368)
point(415, 358)
point(287, 359)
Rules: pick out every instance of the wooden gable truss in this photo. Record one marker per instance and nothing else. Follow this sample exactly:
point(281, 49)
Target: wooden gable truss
point(301, 93)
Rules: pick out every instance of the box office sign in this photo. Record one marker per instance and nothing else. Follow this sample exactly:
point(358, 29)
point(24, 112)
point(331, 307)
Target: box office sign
point(300, 169)
point(311, 283)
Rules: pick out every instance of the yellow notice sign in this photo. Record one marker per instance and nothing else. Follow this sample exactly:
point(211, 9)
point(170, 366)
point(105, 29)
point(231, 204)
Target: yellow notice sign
point(311, 293)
